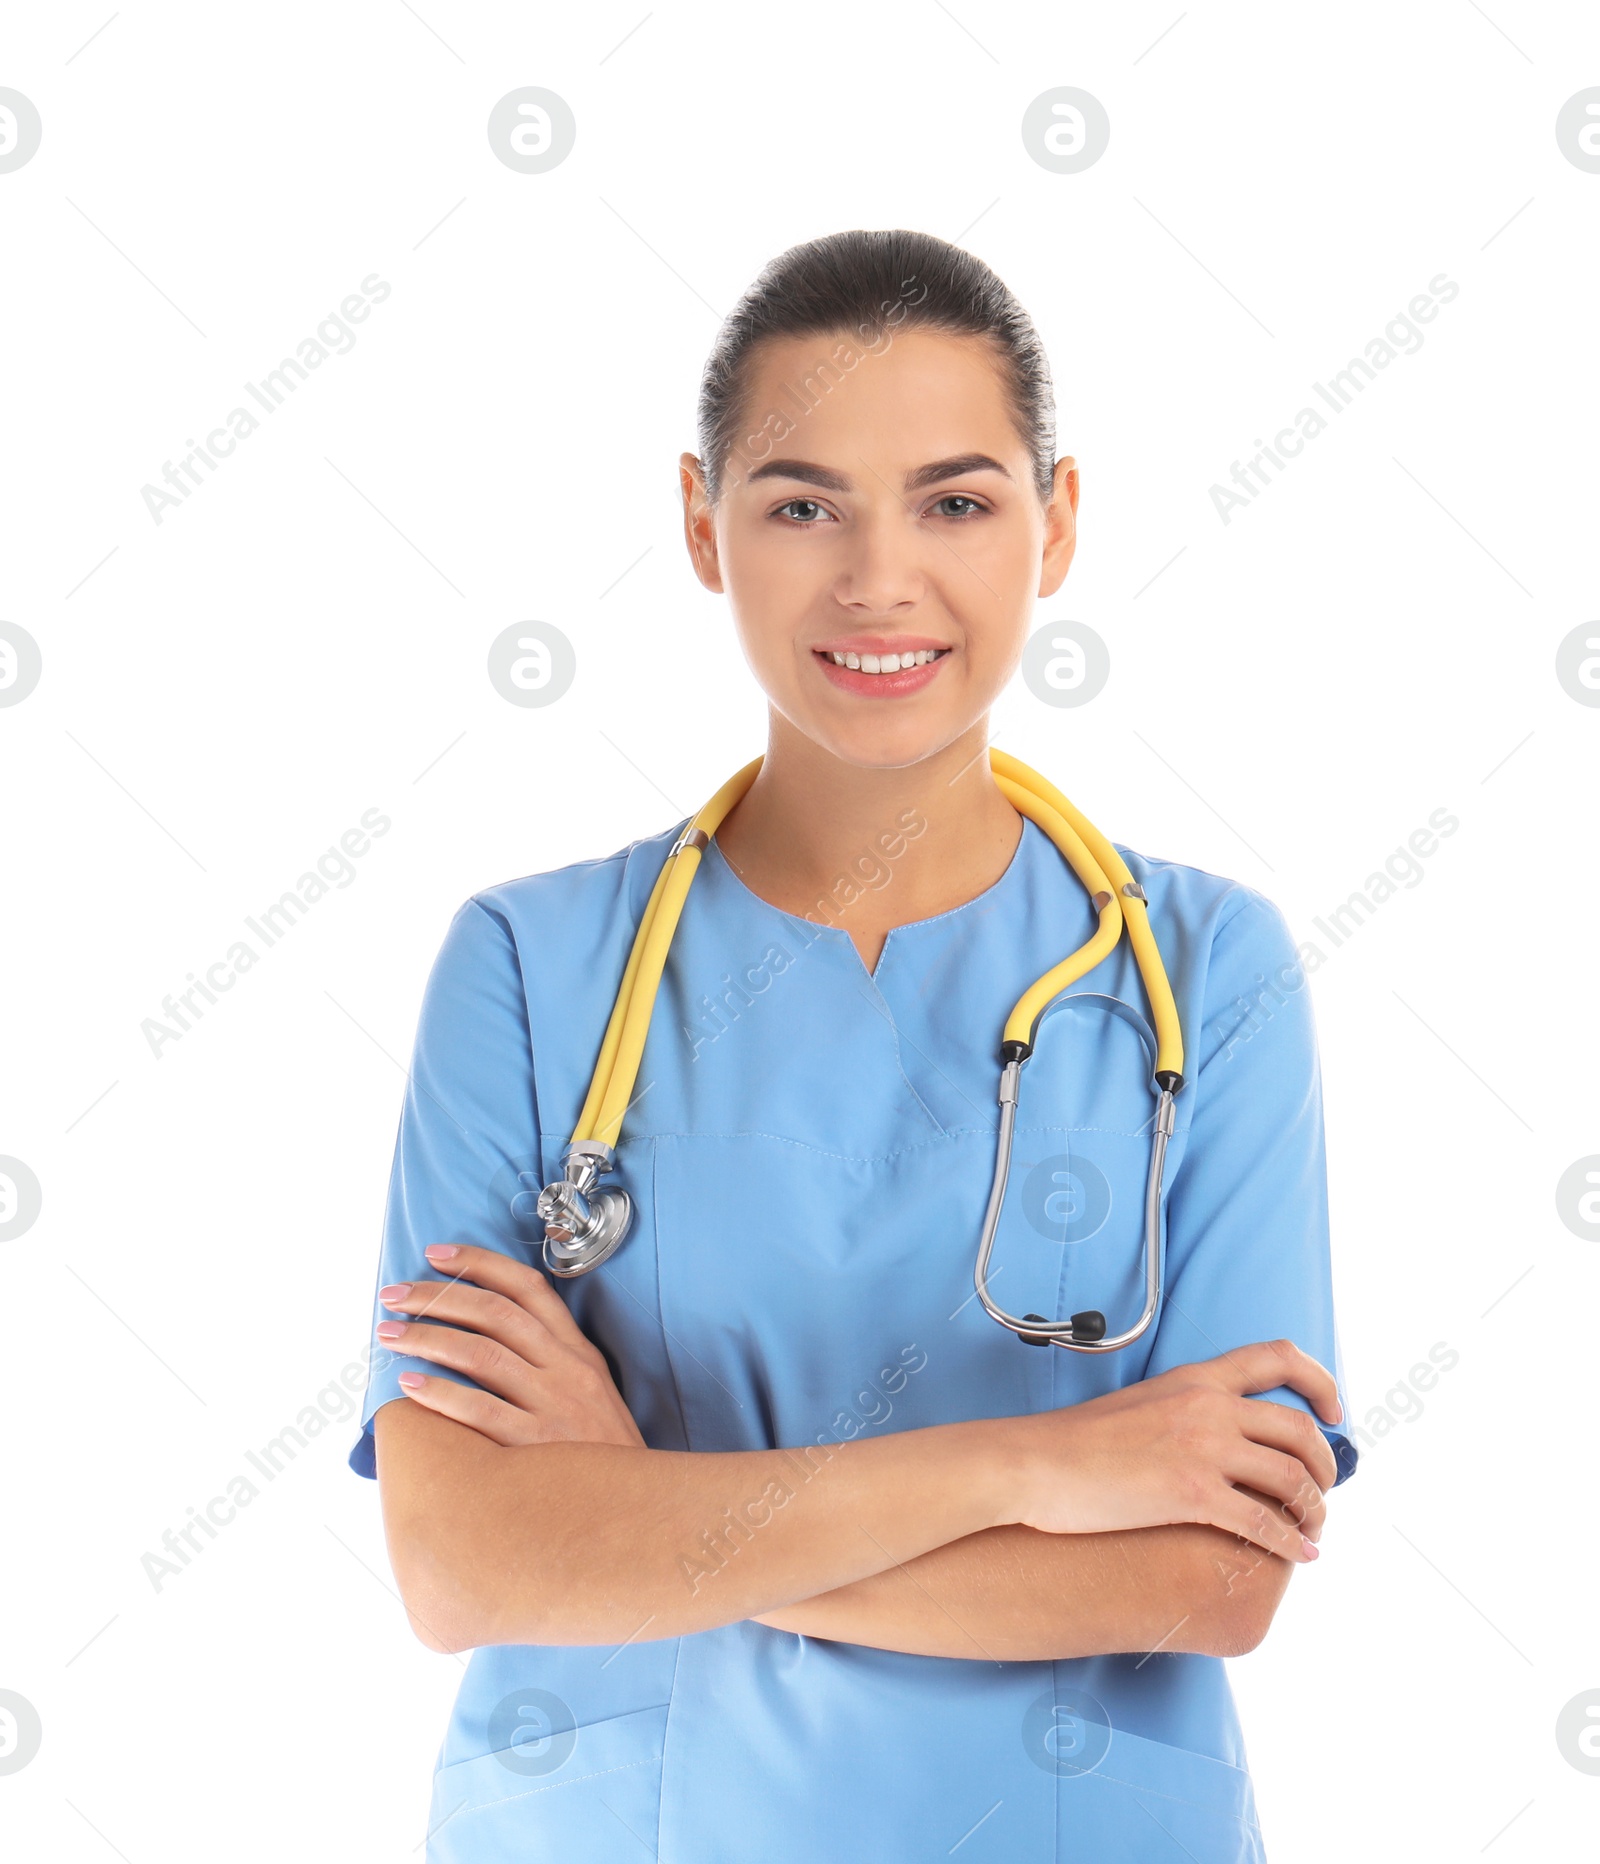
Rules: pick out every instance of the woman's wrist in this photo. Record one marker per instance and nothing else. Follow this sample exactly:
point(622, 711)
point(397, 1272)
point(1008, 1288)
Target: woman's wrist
point(996, 1469)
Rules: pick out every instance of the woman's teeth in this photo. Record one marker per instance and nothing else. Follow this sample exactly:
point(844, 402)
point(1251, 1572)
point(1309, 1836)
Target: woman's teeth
point(887, 663)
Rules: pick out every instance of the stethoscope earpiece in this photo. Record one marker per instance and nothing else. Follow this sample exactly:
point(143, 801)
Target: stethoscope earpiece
point(1089, 1325)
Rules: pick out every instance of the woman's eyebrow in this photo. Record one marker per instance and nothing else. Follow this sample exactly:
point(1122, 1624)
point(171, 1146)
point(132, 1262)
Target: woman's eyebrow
point(953, 468)
point(931, 474)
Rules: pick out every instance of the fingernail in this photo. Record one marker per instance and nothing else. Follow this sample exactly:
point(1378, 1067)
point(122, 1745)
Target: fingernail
point(1338, 1412)
point(394, 1293)
point(441, 1252)
point(411, 1380)
point(390, 1329)
point(1310, 1548)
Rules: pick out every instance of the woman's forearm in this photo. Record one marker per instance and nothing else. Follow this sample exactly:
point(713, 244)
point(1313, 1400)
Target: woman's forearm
point(499, 1539)
point(600, 1543)
point(1011, 1594)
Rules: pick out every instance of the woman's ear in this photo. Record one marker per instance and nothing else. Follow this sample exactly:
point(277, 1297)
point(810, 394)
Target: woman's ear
point(1060, 527)
point(699, 526)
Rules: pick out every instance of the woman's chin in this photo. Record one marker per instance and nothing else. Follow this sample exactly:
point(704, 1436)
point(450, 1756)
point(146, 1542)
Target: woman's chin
point(892, 745)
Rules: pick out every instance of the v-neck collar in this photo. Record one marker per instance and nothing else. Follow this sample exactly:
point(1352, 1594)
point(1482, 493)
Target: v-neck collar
point(726, 880)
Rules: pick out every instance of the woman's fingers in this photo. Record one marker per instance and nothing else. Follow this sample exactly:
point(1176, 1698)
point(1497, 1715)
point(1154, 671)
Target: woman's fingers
point(499, 1323)
point(498, 1368)
point(1267, 1363)
point(510, 1424)
point(518, 1282)
point(1283, 1481)
point(491, 1417)
point(460, 1304)
point(1264, 1524)
point(1282, 1428)
point(494, 1295)
point(1189, 1445)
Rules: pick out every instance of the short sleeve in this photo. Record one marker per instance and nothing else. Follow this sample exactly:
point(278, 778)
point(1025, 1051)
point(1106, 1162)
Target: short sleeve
point(1248, 1251)
point(468, 1143)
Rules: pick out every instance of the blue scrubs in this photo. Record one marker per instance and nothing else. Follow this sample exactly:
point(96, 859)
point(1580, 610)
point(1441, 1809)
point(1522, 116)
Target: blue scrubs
point(810, 1156)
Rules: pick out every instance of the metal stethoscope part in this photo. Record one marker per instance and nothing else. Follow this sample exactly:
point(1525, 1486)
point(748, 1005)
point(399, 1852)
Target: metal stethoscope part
point(1084, 1332)
point(584, 1221)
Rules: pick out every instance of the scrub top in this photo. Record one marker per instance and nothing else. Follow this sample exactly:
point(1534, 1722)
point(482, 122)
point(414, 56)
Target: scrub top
point(810, 1155)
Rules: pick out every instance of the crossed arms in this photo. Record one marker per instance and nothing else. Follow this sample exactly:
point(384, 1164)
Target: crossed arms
point(526, 1508)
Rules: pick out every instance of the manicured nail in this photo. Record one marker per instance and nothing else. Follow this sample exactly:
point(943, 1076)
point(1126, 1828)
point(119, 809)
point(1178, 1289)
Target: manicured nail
point(390, 1329)
point(394, 1293)
point(411, 1380)
point(442, 1252)
point(1310, 1548)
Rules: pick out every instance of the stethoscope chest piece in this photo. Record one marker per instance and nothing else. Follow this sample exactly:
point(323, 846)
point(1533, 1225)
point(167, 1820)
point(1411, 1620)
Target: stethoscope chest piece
point(584, 1221)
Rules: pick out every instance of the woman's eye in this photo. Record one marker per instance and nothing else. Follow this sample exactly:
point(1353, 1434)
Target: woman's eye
point(810, 508)
point(808, 512)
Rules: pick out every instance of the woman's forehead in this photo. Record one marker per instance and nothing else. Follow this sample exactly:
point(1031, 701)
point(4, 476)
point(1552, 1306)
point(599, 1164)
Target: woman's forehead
point(917, 398)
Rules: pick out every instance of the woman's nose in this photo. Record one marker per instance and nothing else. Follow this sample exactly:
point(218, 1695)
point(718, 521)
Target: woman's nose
point(882, 566)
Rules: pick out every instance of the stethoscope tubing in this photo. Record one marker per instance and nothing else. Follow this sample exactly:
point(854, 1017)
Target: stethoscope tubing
point(586, 1219)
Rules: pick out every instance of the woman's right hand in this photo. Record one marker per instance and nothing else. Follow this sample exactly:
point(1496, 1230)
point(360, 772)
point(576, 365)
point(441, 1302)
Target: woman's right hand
point(1173, 1448)
point(537, 1378)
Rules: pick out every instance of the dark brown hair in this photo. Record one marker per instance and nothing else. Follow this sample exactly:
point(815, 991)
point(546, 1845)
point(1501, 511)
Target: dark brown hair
point(852, 284)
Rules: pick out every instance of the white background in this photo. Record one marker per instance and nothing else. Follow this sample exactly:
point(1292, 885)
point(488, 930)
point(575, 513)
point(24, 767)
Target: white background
point(1294, 693)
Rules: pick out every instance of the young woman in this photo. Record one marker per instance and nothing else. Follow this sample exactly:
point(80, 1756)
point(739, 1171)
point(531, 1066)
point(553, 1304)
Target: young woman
point(768, 1542)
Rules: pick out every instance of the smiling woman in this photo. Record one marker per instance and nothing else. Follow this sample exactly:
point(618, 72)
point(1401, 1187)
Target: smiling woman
point(713, 1583)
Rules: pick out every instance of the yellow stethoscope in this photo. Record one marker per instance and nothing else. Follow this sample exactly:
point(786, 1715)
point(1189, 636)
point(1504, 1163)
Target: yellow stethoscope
point(586, 1219)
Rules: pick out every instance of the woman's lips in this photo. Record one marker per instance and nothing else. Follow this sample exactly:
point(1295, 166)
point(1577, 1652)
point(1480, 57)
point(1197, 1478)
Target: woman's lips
point(879, 685)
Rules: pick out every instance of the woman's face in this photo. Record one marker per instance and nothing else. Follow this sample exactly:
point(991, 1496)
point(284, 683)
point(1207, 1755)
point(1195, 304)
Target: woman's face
point(897, 517)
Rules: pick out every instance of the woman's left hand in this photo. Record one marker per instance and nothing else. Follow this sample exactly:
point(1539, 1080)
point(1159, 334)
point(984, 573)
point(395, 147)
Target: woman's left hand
point(542, 1380)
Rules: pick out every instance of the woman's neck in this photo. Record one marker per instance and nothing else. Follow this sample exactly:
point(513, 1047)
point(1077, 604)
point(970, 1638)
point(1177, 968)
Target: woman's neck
point(870, 849)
